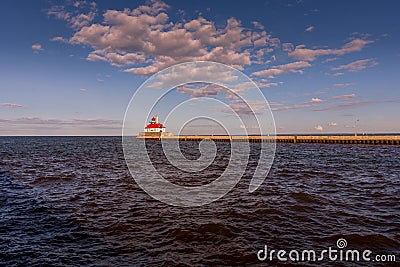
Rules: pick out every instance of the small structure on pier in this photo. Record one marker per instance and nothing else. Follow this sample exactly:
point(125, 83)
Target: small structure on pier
point(154, 126)
point(154, 129)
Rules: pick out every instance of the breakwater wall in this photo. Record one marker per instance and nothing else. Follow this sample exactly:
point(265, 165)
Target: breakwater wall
point(321, 139)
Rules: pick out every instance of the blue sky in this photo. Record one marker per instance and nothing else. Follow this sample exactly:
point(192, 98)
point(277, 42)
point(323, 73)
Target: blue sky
point(71, 68)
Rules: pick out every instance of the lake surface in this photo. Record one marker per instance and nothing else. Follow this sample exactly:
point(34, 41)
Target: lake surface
point(70, 201)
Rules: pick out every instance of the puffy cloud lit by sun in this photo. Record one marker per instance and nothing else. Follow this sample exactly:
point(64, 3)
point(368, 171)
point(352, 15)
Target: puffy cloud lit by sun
point(145, 40)
point(319, 128)
point(37, 47)
point(317, 100)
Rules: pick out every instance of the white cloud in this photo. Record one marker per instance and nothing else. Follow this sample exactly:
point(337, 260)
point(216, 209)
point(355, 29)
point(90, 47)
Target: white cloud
point(232, 92)
point(335, 74)
point(82, 14)
point(202, 72)
point(258, 25)
point(81, 20)
point(289, 107)
point(287, 47)
point(319, 128)
point(249, 127)
point(11, 105)
point(345, 97)
point(37, 47)
point(307, 54)
point(59, 39)
point(281, 69)
point(209, 90)
point(116, 58)
point(267, 85)
point(304, 105)
point(309, 29)
point(163, 43)
point(332, 124)
point(357, 65)
point(343, 84)
point(52, 121)
point(147, 40)
point(317, 100)
point(346, 105)
point(59, 12)
point(330, 59)
point(248, 107)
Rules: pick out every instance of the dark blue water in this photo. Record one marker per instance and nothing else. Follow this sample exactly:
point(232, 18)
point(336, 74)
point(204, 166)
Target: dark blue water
point(70, 201)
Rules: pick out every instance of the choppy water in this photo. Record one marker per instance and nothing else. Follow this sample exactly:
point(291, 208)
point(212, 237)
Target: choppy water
point(71, 201)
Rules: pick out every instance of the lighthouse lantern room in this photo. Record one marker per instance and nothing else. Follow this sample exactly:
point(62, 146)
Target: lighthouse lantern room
point(154, 126)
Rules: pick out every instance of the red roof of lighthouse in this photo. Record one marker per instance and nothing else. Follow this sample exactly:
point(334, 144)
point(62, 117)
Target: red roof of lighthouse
point(155, 125)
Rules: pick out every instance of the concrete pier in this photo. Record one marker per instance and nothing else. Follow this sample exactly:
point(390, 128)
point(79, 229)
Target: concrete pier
point(319, 139)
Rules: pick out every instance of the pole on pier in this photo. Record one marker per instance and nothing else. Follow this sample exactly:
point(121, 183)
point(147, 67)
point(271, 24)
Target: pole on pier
point(355, 127)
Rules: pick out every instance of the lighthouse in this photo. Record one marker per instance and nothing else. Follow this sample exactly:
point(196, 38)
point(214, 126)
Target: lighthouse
point(154, 129)
point(154, 126)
